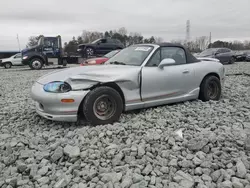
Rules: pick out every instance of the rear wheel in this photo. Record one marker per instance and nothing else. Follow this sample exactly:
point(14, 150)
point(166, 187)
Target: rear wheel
point(210, 89)
point(102, 105)
point(65, 62)
point(232, 60)
point(7, 65)
point(36, 64)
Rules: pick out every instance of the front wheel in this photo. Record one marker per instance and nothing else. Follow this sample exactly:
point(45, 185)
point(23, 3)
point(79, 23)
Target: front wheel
point(89, 51)
point(210, 89)
point(102, 105)
point(7, 65)
point(36, 64)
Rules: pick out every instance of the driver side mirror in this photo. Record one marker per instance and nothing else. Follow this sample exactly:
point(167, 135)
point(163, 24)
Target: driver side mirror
point(216, 53)
point(166, 62)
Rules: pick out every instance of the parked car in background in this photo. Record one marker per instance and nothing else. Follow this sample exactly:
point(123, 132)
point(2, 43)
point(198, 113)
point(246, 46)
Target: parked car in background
point(99, 47)
point(240, 56)
point(99, 60)
point(11, 61)
point(225, 55)
point(248, 57)
point(139, 76)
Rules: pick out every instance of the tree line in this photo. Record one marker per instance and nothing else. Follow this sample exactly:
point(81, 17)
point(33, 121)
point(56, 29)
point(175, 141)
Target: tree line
point(197, 45)
point(121, 34)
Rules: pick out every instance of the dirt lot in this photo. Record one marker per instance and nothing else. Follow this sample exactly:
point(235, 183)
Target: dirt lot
point(142, 150)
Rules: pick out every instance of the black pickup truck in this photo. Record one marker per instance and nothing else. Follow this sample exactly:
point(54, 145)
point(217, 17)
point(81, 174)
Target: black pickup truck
point(99, 47)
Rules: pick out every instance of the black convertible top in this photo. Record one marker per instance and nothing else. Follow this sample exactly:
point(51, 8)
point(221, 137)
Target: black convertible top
point(189, 56)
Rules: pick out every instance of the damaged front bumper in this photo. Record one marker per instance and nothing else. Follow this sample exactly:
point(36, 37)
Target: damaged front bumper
point(50, 105)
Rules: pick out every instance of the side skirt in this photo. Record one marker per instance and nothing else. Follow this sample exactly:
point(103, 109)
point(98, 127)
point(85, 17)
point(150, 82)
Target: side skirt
point(194, 94)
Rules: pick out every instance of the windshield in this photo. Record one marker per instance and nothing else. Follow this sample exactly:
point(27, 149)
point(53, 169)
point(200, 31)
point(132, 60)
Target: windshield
point(133, 55)
point(111, 54)
point(209, 51)
point(95, 41)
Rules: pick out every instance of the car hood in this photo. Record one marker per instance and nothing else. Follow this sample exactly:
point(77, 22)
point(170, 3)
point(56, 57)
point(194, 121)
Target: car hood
point(204, 55)
point(208, 59)
point(90, 75)
point(5, 59)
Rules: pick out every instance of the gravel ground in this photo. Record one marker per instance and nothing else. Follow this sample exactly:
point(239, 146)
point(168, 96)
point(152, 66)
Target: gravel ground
point(191, 144)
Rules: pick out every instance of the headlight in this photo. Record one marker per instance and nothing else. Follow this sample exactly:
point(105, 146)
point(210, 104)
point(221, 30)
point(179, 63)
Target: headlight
point(25, 57)
point(57, 87)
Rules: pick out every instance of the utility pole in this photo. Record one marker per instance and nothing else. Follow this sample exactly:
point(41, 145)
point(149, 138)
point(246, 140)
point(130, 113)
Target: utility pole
point(18, 42)
point(210, 38)
point(188, 31)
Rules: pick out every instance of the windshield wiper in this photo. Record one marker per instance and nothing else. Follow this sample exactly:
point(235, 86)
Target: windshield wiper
point(117, 63)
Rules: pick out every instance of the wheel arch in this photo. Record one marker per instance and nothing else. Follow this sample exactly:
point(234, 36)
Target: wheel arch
point(112, 85)
point(8, 62)
point(210, 74)
point(37, 57)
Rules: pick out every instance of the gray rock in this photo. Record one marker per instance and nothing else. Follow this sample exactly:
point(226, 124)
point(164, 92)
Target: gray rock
point(198, 171)
point(61, 183)
point(137, 178)
point(147, 169)
point(113, 177)
point(141, 151)
point(180, 175)
point(173, 162)
point(43, 180)
point(43, 171)
point(164, 170)
point(152, 180)
point(197, 144)
point(72, 151)
point(126, 182)
point(226, 184)
point(109, 133)
point(215, 175)
point(33, 170)
point(241, 169)
point(12, 182)
point(21, 167)
point(82, 185)
point(58, 153)
point(236, 183)
point(173, 185)
point(197, 161)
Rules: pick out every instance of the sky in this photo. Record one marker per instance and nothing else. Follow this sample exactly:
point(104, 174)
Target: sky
point(226, 19)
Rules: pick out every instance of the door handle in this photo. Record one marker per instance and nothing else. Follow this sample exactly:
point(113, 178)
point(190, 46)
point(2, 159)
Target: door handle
point(185, 72)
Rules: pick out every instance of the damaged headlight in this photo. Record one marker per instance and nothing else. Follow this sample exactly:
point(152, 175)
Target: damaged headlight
point(57, 87)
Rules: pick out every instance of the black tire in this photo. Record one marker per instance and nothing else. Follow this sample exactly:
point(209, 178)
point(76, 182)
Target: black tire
point(232, 60)
point(7, 65)
point(36, 64)
point(210, 89)
point(65, 62)
point(91, 106)
point(89, 51)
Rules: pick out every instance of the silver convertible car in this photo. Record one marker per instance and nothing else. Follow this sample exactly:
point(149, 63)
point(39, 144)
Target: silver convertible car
point(140, 76)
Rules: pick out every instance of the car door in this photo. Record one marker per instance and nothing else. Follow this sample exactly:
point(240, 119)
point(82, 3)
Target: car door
point(17, 59)
point(103, 47)
point(169, 84)
point(50, 47)
point(222, 55)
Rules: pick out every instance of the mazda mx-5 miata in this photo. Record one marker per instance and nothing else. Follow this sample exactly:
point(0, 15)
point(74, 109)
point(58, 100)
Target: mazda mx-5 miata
point(139, 76)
